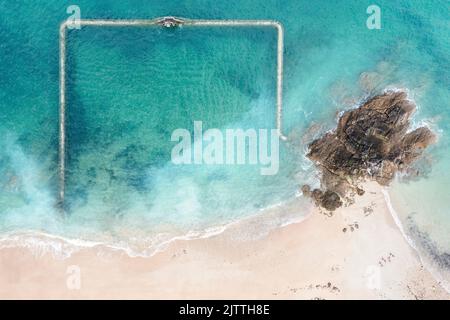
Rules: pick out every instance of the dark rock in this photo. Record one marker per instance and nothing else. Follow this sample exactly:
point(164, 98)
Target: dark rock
point(306, 190)
point(371, 141)
point(329, 200)
point(360, 191)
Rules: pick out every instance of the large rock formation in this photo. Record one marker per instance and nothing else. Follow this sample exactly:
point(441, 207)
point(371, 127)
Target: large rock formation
point(372, 142)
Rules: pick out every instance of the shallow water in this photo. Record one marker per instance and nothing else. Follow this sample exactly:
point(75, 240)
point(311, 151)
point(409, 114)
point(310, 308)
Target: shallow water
point(129, 88)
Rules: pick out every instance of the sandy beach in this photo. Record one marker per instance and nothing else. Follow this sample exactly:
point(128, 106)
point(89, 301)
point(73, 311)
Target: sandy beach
point(356, 253)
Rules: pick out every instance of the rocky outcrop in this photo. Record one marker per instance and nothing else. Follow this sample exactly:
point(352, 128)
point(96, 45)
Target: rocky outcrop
point(370, 142)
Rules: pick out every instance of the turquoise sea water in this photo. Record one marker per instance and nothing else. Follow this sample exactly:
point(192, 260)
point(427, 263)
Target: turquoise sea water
point(129, 88)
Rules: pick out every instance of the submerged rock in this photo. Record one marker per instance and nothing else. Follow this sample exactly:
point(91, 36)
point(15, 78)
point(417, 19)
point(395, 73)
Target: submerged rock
point(370, 142)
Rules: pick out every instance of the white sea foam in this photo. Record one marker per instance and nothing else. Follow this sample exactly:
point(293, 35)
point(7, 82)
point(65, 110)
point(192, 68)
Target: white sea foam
point(396, 218)
point(41, 243)
point(435, 273)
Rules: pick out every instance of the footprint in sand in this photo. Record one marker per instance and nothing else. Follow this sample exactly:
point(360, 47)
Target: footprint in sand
point(386, 259)
point(369, 209)
point(351, 227)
